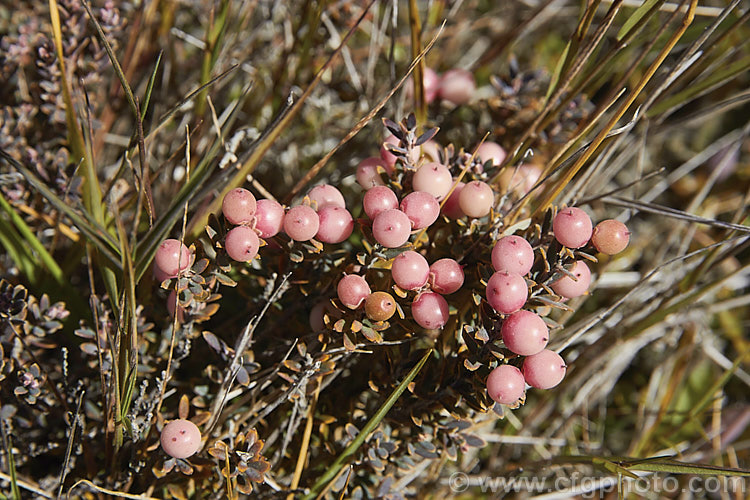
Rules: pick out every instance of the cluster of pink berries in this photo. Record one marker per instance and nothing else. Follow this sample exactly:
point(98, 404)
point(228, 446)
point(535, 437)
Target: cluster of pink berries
point(456, 86)
point(393, 221)
point(325, 219)
point(524, 332)
point(410, 272)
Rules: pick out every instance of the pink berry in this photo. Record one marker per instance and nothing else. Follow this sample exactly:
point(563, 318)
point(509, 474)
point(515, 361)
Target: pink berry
point(238, 206)
point(390, 159)
point(378, 199)
point(180, 438)
point(431, 150)
point(173, 306)
point(324, 195)
point(451, 207)
point(519, 180)
point(160, 275)
point(352, 290)
point(410, 270)
point(301, 223)
point(544, 370)
point(513, 254)
point(491, 151)
point(367, 172)
point(269, 218)
point(525, 333)
point(476, 199)
point(610, 236)
point(433, 178)
point(446, 276)
point(431, 85)
point(172, 257)
point(567, 287)
point(457, 86)
point(336, 224)
point(430, 310)
point(506, 292)
point(572, 227)
point(317, 313)
point(506, 385)
point(391, 228)
point(242, 244)
point(421, 208)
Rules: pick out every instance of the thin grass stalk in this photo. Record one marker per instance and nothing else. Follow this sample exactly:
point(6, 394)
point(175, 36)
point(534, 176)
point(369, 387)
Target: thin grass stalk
point(261, 148)
point(368, 429)
point(552, 193)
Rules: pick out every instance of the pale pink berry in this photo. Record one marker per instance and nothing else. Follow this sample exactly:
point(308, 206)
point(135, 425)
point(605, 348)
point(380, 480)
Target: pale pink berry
point(430, 310)
point(160, 275)
point(324, 195)
point(180, 438)
point(317, 313)
point(525, 333)
point(421, 208)
point(506, 292)
point(269, 218)
point(390, 159)
point(238, 206)
point(336, 224)
point(544, 370)
point(391, 228)
point(379, 199)
point(410, 270)
point(521, 179)
point(567, 287)
point(476, 199)
point(301, 223)
point(491, 151)
point(430, 84)
point(352, 290)
point(446, 276)
point(572, 227)
point(451, 207)
point(457, 86)
point(513, 254)
point(610, 236)
point(367, 172)
point(242, 244)
point(431, 150)
point(506, 385)
point(172, 257)
point(433, 178)
point(173, 306)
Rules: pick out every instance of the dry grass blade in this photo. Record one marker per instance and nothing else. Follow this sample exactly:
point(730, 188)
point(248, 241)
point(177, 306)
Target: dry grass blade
point(371, 425)
point(673, 213)
point(262, 147)
point(310, 175)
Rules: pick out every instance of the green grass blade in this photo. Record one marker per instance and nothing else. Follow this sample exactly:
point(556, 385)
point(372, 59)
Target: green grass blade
point(95, 234)
point(92, 193)
point(13, 244)
point(150, 86)
point(15, 490)
point(697, 89)
point(371, 425)
point(32, 241)
point(633, 20)
point(113, 58)
point(669, 466)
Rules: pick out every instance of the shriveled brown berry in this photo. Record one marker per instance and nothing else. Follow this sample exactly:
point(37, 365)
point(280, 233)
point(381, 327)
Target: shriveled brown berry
point(610, 236)
point(380, 306)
